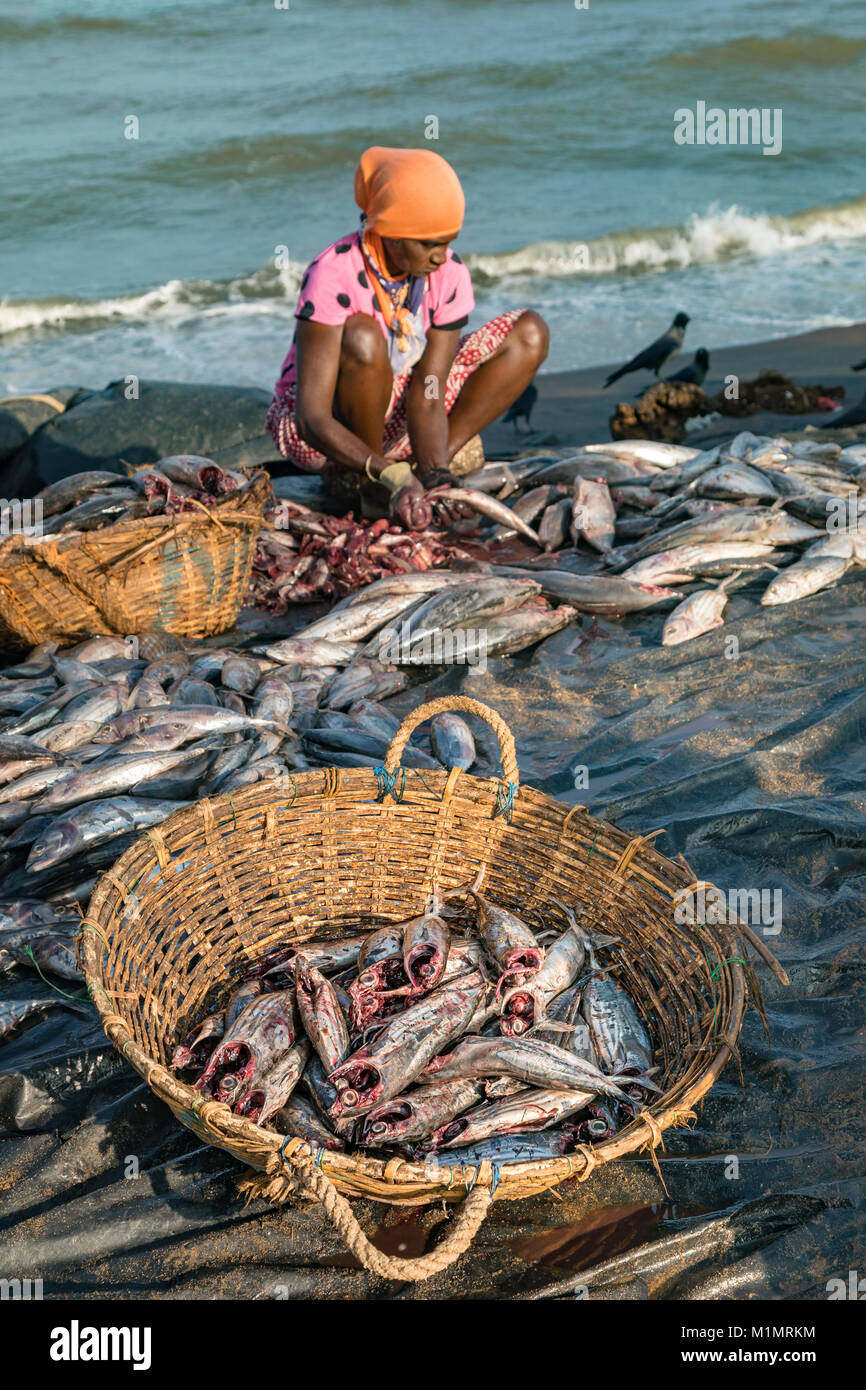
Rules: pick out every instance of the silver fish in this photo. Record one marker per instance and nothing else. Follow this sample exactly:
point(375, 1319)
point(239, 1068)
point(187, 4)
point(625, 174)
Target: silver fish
point(554, 525)
point(321, 1015)
point(697, 614)
point(299, 1117)
point(807, 576)
point(524, 1006)
point(105, 778)
point(620, 1036)
point(736, 479)
point(677, 566)
point(510, 942)
point(188, 722)
point(520, 1114)
point(452, 741)
point(647, 450)
point(538, 1063)
point(489, 507)
point(604, 595)
point(593, 514)
point(381, 944)
point(417, 1114)
point(509, 1148)
point(530, 507)
point(265, 1096)
point(93, 823)
point(312, 651)
point(369, 680)
point(382, 1068)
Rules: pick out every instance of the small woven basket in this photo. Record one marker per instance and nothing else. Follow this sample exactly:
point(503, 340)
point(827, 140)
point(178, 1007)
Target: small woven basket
point(190, 905)
point(187, 573)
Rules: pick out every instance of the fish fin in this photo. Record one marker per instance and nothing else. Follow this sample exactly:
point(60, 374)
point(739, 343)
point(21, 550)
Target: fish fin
point(573, 914)
point(467, 888)
point(729, 579)
point(642, 1080)
point(599, 940)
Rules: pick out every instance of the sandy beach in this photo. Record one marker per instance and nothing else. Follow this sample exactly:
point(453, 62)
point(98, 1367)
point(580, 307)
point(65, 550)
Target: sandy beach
point(572, 407)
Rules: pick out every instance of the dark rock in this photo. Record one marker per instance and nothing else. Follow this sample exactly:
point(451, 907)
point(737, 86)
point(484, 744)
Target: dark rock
point(660, 413)
point(20, 418)
point(106, 430)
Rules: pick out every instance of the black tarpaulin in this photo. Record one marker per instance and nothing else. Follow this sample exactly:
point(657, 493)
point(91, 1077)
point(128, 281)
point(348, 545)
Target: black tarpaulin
point(752, 761)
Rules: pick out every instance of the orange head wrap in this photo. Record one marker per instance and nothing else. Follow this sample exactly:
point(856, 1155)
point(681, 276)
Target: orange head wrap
point(409, 193)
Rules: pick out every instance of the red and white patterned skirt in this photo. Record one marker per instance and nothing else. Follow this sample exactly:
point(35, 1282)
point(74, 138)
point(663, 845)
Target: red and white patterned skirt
point(474, 348)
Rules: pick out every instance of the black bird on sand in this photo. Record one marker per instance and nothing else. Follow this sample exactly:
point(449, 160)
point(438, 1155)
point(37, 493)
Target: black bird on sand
point(653, 358)
point(522, 407)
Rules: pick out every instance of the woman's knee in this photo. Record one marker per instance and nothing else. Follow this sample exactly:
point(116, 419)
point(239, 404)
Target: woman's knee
point(533, 334)
point(363, 342)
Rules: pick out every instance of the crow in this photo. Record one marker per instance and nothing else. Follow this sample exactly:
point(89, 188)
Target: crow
point(522, 407)
point(696, 371)
point(653, 358)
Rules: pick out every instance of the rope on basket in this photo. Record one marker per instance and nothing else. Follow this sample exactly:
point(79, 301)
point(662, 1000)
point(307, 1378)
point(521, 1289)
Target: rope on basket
point(387, 783)
point(304, 1173)
point(505, 800)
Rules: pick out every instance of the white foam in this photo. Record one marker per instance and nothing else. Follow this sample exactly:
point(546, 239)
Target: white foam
point(719, 234)
point(175, 301)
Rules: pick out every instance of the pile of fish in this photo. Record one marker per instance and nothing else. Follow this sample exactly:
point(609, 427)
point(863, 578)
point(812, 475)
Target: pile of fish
point(304, 556)
point(418, 1040)
point(93, 500)
point(639, 517)
point(102, 741)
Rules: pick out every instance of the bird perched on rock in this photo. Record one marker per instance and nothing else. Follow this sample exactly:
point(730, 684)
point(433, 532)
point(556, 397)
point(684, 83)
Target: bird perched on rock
point(696, 371)
point(522, 407)
point(653, 358)
point(694, 374)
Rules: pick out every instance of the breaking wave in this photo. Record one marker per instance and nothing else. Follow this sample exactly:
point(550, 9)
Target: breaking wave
point(716, 236)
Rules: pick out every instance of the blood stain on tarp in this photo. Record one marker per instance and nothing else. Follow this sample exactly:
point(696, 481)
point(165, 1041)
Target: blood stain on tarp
point(402, 1237)
point(603, 1234)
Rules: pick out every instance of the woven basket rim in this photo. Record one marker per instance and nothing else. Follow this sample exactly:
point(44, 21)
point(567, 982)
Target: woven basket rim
point(259, 483)
point(355, 1172)
point(66, 586)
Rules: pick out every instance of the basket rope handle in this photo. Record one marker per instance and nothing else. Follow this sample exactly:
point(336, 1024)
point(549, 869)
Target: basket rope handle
point(317, 1184)
point(456, 702)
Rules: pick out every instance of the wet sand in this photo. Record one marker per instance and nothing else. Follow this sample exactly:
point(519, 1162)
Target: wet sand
point(572, 407)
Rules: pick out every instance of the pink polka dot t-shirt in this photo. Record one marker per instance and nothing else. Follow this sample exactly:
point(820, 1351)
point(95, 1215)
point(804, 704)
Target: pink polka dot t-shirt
point(337, 284)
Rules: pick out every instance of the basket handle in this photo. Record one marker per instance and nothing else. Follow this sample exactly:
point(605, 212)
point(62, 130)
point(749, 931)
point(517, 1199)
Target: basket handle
point(318, 1185)
point(452, 702)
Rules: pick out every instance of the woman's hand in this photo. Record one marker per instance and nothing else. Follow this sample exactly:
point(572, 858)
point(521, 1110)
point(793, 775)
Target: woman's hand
point(410, 506)
point(438, 480)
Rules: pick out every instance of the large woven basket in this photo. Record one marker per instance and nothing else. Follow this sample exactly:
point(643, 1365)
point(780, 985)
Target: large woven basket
point(186, 909)
point(186, 573)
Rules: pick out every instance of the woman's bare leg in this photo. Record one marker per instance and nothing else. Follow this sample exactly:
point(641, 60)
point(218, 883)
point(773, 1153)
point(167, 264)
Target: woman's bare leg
point(497, 382)
point(364, 382)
